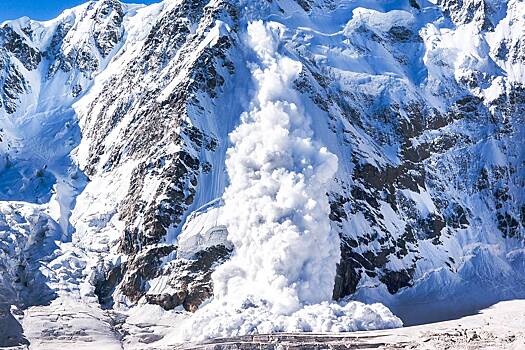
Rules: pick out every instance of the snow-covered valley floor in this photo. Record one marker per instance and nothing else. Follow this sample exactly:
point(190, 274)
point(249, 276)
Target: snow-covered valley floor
point(501, 326)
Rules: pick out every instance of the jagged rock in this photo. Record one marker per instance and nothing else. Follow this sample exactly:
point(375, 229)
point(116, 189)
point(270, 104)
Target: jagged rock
point(466, 11)
point(191, 279)
point(142, 268)
point(14, 43)
point(108, 20)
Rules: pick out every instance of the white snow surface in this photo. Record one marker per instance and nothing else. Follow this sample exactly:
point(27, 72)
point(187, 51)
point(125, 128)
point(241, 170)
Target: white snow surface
point(220, 319)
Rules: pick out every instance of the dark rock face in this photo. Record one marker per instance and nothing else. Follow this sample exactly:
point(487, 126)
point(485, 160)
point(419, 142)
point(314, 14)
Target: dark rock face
point(348, 270)
point(395, 280)
point(144, 267)
point(108, 20)
point(12, 86)
point(178, 189)
point(54, 51)
point(13, 83)
point(466, 11)
point(308, 5)
point(191, 278)
point(165, 136)
point(414, 4)
point(14, 43)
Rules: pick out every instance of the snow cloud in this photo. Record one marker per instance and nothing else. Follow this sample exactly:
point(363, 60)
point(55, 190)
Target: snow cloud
point(276, 204)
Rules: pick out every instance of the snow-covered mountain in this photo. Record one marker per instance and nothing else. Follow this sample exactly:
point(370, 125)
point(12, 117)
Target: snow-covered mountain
point(331, 149)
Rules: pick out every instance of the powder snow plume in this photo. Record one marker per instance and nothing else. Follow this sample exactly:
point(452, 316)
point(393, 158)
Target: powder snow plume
point(277, 205)
point(282, 273)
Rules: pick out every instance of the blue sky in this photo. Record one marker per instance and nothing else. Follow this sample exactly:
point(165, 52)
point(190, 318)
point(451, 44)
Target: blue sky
point(42, 9)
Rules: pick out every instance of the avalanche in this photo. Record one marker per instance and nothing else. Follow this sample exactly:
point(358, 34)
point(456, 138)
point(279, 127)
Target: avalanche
point(282, 274)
